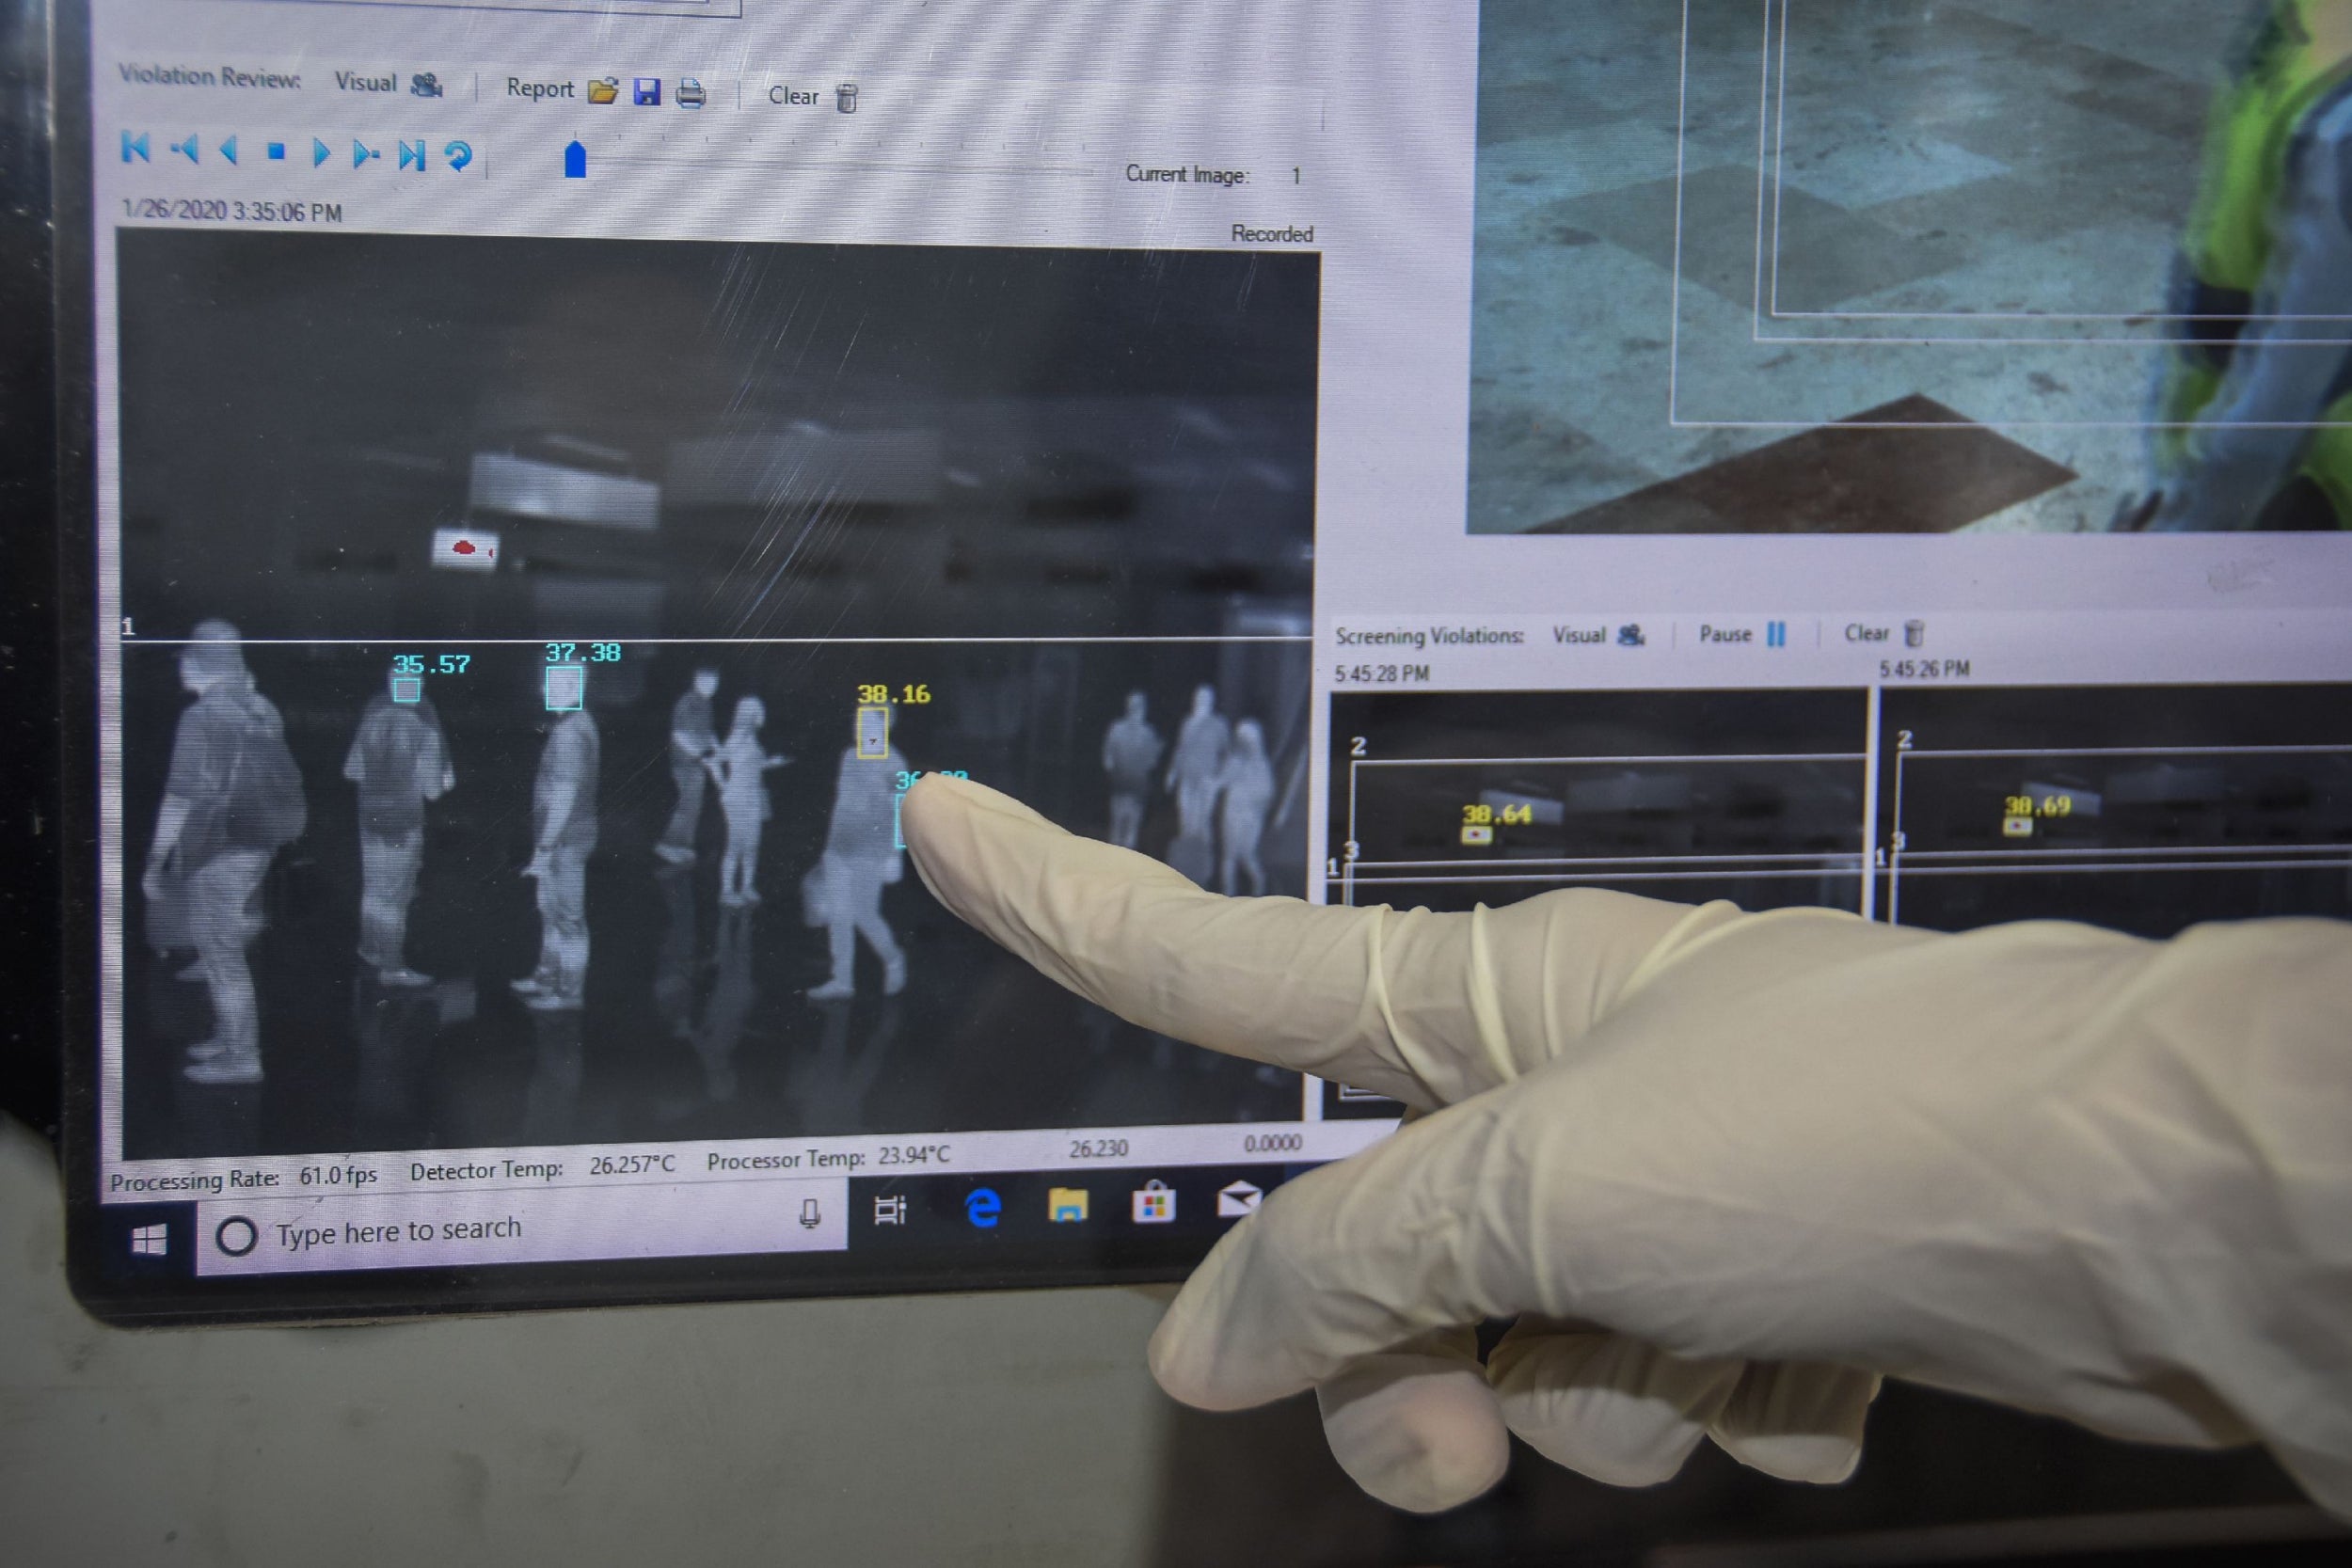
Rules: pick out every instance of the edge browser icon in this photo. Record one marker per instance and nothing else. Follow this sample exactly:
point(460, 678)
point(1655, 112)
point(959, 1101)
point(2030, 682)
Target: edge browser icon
point(983, 1207)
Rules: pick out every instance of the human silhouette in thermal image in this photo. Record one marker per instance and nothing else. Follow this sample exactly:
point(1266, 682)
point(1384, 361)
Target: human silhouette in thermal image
point(233, 799)
point(740, 765)
point(400, 760)
point(1131, 752)
point(693, 739)
point(564, 835)
point(843, 892)
point(1195, 773)
point(1247, 783)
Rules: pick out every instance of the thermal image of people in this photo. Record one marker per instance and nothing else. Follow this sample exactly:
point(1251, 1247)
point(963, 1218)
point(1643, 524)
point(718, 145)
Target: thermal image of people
point(2254, 408)
point(843, 892)
point(693, 739)
point(1247, 785)
point(564, 829)
point(1195, 772)
point(233, 799)
point(1131, 752)
point(741, 766)
point(400, 760)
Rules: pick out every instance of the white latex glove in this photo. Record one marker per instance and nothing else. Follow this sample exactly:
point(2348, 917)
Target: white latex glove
point(1731, 1168)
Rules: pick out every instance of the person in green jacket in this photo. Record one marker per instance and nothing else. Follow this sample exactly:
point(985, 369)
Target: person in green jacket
point(2254, 416)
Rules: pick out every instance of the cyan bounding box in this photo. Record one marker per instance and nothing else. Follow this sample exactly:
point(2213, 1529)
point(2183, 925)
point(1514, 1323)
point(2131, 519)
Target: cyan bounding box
point(567, 688)
point(408, 688)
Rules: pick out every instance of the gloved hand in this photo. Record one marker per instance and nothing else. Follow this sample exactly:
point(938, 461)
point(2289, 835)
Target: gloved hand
point(1729, 1169)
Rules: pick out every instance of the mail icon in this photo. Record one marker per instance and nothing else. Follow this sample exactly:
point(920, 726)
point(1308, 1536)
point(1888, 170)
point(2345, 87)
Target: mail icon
point(604, 89)
point(1236, 1200)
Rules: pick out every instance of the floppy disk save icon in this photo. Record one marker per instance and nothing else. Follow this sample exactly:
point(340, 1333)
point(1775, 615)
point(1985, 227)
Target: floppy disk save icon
point(604, 89)
point(1236, 1200)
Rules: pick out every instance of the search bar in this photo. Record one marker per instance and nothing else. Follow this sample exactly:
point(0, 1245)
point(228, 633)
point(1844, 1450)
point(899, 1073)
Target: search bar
point(553, 1225)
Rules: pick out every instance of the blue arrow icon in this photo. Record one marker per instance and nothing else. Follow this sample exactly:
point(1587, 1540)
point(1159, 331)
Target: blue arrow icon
point(135, 147)
point(361, 153)
point(187, 147)
point(229, 149)
point(318, 152)
point(412, 153)
point(459, 154)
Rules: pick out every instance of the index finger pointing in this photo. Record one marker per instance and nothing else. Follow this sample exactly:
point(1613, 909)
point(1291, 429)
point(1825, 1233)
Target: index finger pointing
point(1426, 1008)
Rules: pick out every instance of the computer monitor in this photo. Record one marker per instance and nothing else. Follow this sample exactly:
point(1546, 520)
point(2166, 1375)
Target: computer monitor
point(538, 493)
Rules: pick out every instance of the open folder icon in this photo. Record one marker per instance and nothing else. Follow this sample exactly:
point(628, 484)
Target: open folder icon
point(604, 89)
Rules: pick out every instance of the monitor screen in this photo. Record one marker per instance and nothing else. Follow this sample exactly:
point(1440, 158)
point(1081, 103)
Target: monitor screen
point(547, 478)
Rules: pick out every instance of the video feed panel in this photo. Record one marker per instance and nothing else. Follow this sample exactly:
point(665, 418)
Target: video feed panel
point(817, 990)
point(1787, 267)
point(2145, 809)
point(383, 436)
point(1448, 800)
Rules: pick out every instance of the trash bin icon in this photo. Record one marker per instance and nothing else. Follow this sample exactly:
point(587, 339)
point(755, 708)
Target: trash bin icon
point(1915, 634)
point(845, 97)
